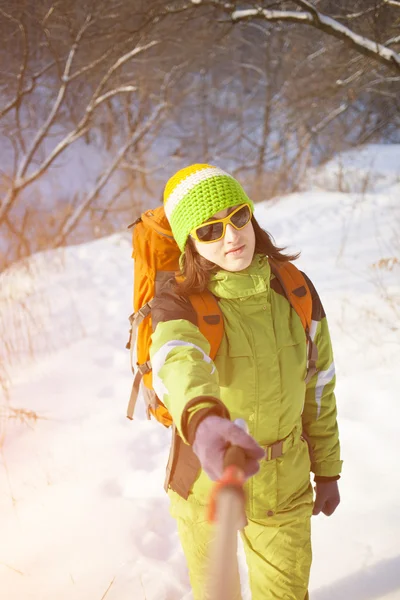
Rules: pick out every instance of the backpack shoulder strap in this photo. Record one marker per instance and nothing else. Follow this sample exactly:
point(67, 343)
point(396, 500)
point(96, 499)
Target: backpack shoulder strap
point(209, 319)
point(298, 293)
point(296, 290)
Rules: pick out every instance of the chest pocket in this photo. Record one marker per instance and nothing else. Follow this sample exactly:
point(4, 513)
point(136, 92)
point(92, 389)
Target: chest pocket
point(237, 340)
point(289, 330)
point(236, 366)
point(291, 346)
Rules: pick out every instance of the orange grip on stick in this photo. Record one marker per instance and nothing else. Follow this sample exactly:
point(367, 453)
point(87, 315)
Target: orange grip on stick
point(232, 479)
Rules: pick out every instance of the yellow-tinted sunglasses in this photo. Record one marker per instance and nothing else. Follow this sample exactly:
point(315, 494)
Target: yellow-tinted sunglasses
point(212, 231)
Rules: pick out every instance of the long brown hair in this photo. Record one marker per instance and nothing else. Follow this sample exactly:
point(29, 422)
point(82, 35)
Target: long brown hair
point(196, 270)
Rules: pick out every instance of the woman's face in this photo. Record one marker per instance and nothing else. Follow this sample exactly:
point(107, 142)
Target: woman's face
point(235, 251)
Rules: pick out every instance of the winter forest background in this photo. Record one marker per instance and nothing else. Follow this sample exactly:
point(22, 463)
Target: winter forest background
point(101, 102)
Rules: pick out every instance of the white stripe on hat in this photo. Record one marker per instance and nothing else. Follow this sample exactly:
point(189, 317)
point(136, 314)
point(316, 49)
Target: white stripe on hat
point(188, 184)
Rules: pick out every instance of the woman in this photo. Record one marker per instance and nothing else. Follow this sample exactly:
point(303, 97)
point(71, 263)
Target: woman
point(258, 375)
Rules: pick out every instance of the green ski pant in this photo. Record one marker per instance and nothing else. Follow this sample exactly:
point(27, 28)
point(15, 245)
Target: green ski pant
point(278, 550)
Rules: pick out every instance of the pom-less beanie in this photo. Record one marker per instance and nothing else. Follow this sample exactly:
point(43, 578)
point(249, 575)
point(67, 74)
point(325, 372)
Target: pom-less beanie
point(194, 194)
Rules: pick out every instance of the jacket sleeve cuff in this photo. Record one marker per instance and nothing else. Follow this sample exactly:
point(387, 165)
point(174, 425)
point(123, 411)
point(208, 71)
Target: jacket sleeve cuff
point(321, 479)
point(198, 409)
point(327, 468)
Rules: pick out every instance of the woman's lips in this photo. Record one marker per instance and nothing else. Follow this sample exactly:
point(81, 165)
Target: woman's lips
point(235, 251)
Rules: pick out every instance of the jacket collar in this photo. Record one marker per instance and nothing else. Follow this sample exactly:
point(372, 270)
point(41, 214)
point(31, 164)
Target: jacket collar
point(242, 284)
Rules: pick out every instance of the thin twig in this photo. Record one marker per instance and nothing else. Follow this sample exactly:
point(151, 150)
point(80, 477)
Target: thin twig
point(12, 568)
point(108, 589)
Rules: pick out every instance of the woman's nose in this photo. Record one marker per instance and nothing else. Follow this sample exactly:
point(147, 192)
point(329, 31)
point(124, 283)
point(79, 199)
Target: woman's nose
point(231, 234)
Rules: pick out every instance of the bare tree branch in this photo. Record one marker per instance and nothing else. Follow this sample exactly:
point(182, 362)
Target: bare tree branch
point(20, 79)
point(48, 15)
point(393, 40)
point(351, 78)
point(395, 3)
point(60, 97)
point(311, 16)
point(18, 98)
point(357, 15)
point(329, 118)
point(23, 242)
point(92, 65)
point(82, 127)
point(132, 140)
point(121, 61)
point(121, 90)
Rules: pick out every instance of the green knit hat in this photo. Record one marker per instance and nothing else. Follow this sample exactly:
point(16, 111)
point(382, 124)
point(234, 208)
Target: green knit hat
point(194, 194)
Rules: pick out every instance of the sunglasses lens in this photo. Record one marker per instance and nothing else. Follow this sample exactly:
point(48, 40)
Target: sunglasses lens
point(241, 217)
point(209, 233)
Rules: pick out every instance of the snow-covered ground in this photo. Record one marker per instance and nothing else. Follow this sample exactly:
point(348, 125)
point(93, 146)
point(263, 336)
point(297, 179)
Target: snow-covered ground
point(83, 514)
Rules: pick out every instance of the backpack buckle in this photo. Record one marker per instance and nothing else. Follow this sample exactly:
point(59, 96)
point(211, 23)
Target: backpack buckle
point(142, 313)
point(274, 450)
point(144, 368)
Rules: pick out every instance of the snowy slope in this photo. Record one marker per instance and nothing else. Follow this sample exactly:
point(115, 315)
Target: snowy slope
point(83, 514)
point(373, 167)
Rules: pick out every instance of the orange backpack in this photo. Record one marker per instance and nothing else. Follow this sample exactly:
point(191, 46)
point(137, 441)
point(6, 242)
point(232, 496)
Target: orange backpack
point(156, 261)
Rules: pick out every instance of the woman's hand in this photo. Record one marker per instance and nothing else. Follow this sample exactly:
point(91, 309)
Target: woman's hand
point(214, 435)
point(327, 497)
